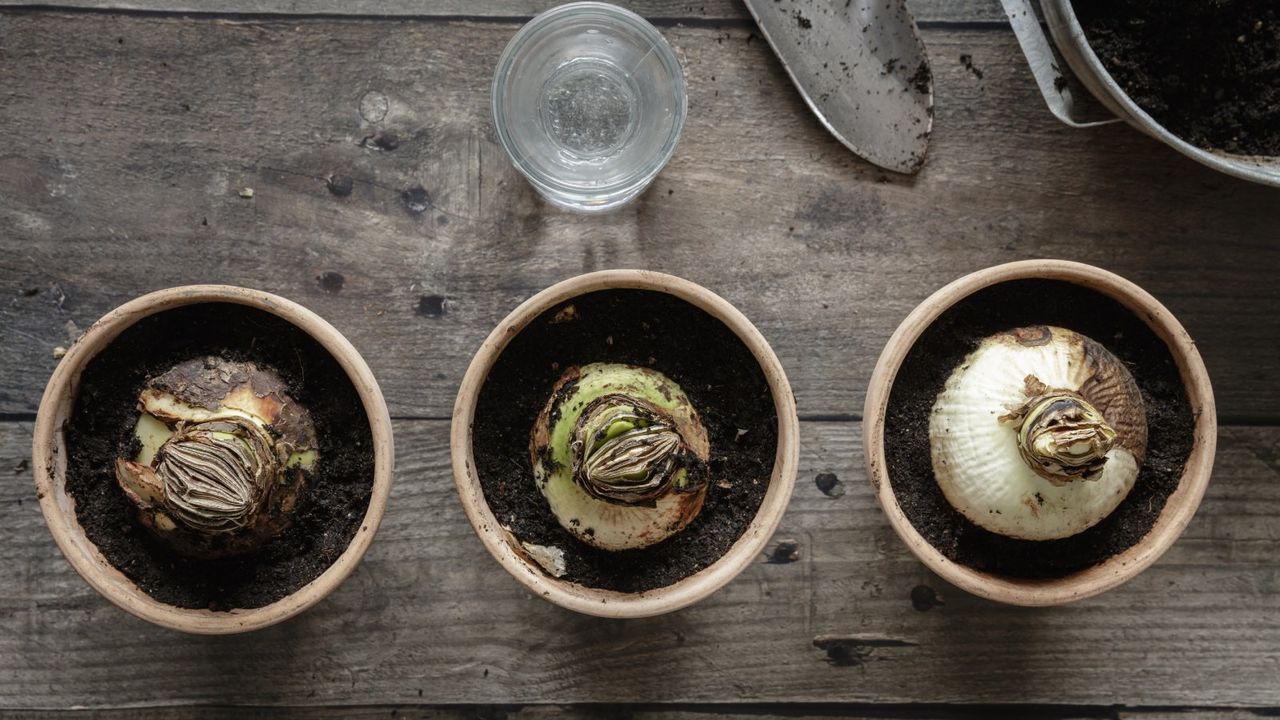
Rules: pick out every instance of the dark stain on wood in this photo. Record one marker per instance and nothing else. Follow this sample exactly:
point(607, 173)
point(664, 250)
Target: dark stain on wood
point(966, 60)
point(835, 208)
point(416, 200)
point(432, 305)
point(854, 650)
point(786, 551)
point(384, 141)
point(340, 185)
point(330, 281)
point(829, 484)
point(925, 598)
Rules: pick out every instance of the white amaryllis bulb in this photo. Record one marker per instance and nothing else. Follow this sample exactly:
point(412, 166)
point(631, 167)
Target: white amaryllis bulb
point(620, 455)
point(1039, 434)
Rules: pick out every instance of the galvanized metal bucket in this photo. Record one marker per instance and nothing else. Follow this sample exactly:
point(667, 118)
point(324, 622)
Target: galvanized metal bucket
point(1071, 46)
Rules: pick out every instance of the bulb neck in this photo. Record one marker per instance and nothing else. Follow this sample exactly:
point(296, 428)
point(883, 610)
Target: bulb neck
point(626, 451)
point(1064, 438)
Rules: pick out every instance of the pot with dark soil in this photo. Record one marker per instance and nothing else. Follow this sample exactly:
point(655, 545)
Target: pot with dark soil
point(1039, 432)
point(213, 459)
point(625, 443)
point(1202, 77)
point(1209, 72)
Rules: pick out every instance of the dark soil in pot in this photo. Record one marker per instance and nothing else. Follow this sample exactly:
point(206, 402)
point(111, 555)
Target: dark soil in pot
point(1208, 71)
point(652, 329)
point(955, 334)
point(329, 511)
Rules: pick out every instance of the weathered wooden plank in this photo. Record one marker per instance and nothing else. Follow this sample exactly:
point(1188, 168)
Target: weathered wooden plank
point(130, 137)
point(1193, 714)
point(658, 10)
point(644, 712)
point(430, 618)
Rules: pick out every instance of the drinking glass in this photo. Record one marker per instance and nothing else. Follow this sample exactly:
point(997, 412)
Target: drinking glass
point(588, 101)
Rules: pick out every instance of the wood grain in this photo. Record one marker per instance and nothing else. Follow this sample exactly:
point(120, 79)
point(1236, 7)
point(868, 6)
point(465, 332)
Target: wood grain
point(130, 138)
point(662, 11)
point(429, 618)
point(752, 711)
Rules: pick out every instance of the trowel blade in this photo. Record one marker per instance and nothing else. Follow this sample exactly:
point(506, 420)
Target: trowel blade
point(862, 68)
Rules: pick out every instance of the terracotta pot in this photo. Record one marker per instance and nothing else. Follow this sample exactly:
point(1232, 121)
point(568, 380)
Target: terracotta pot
point(609, 603)
point(50, 462)
point(1180, 506)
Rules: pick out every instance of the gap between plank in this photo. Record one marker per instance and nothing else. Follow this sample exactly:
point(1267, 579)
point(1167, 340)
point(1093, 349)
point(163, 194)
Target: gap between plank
point(693, 22)
point(571, 711)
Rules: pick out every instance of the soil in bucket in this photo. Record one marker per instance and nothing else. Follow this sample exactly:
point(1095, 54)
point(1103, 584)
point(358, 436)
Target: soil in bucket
point(1207, 71)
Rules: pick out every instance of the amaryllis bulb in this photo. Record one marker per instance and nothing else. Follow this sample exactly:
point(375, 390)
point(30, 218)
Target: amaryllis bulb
point(1039, 434)
point(620, 455)
point(223, 457)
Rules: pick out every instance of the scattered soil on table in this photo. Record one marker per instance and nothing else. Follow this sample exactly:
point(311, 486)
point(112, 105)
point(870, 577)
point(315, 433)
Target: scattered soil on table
point(329, 511)
point(942, 347)
point(651, 329)
point(1209, 71)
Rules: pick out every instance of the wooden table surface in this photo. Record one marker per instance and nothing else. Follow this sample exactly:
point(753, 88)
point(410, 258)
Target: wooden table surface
point(131, 127)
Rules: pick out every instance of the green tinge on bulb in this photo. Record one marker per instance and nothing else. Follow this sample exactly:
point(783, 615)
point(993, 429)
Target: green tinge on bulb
point(614, 450)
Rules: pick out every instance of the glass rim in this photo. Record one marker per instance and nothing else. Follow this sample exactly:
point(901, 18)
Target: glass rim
point(661, 48)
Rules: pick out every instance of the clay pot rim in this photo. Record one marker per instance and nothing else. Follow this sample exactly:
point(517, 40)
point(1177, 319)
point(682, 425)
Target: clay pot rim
point(1179, 508)
point(49, 462)
point(609, 603)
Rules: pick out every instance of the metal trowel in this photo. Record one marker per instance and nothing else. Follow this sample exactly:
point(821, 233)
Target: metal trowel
point(862, 68)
